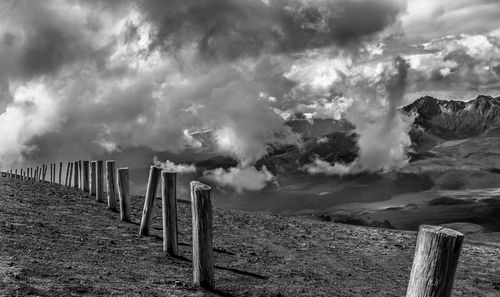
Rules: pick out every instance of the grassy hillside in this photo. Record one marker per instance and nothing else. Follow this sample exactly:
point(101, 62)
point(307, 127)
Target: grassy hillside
point(60, 242)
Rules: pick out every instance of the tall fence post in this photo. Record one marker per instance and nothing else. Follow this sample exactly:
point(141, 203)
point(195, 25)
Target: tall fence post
point(201, 204)
point(70, 173)
point(44, 173)
point(85, 174)
point(67, 175)
point(110, 185)
point(124, 194)
point(435, 262)
point(100, 181)
point(75, 175)
point(60, 172)
point(169, 211)
point(93, 175)
point(80, 174)
point(148, 210)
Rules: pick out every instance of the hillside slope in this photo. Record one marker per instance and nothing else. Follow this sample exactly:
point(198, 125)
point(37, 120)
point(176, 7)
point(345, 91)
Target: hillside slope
point(57, 241)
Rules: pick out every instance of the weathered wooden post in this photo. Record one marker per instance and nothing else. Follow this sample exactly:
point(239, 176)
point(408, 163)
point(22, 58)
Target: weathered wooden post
point(148, 211)
point(51, 173)
point(123, 194)
point(201, 205)
point(15, 174)
point(36, 174)
point(44, 172)
point(54, 174)
point(80, 174)
point(60, 172)
point(75, 175)
point(100, 181)
point(70, 173)
point(86, 176)
point(435, 262)
point(93, 175)
point(67, 175)
point(169, 211)
point(110, 185)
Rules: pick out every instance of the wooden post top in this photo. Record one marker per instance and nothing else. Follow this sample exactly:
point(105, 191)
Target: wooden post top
point(200, 186)
point(440, 230)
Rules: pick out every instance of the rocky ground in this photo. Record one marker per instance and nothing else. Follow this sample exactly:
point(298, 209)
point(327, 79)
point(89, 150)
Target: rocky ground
point(56, 241)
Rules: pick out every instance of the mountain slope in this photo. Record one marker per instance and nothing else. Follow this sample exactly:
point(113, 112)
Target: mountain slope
point(455, 119)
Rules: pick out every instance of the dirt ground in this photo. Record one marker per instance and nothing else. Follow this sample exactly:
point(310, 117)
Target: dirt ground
point(56, 241)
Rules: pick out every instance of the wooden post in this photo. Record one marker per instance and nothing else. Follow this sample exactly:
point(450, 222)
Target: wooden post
point(80, 174)
point(60, 172)
point(15, 174)
point(148, 211)
point(123, 194)
point(36, 174)
point(51, 173)
point(100, 181)
point(169, 211)
point(67, 175)
point(93, 175)
point(86, 176)
point(110, 185)
point(44, 172)
point(201, 205)
point(70, 173)
point(435, 262)
point(54, 174)
point(75, 175)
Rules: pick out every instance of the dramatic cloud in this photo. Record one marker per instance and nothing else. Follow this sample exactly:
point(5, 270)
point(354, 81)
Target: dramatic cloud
point(104, 76)
point(319, 166)
point(171, 166)
point(431, 19)
point(384, 138)
point(240, 179)
point(227, 30)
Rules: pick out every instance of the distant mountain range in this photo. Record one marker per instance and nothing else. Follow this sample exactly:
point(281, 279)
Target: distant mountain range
point(435, 121)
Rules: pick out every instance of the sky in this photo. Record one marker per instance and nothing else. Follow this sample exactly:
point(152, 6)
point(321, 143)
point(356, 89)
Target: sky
point(80, 79)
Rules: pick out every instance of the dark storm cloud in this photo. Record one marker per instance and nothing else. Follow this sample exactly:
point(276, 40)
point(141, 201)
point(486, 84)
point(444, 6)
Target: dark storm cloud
point(224, 29)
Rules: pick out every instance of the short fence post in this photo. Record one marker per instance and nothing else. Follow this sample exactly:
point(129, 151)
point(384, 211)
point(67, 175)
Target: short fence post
point(86, 176)
point(75, 175)
point(148, 210)
point(51, 173)
point(15, 174)
point(36, 174)
point(44, 173)
point(203, 267)
point(169, 210)
point(93, 175)
point(110, 185)
point(60, 172)
point(100, 181)
point(123, 194)
point(435, 262)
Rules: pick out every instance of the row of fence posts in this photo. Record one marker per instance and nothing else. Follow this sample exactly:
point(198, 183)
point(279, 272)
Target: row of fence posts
point(434, 264)
point(89, 177)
